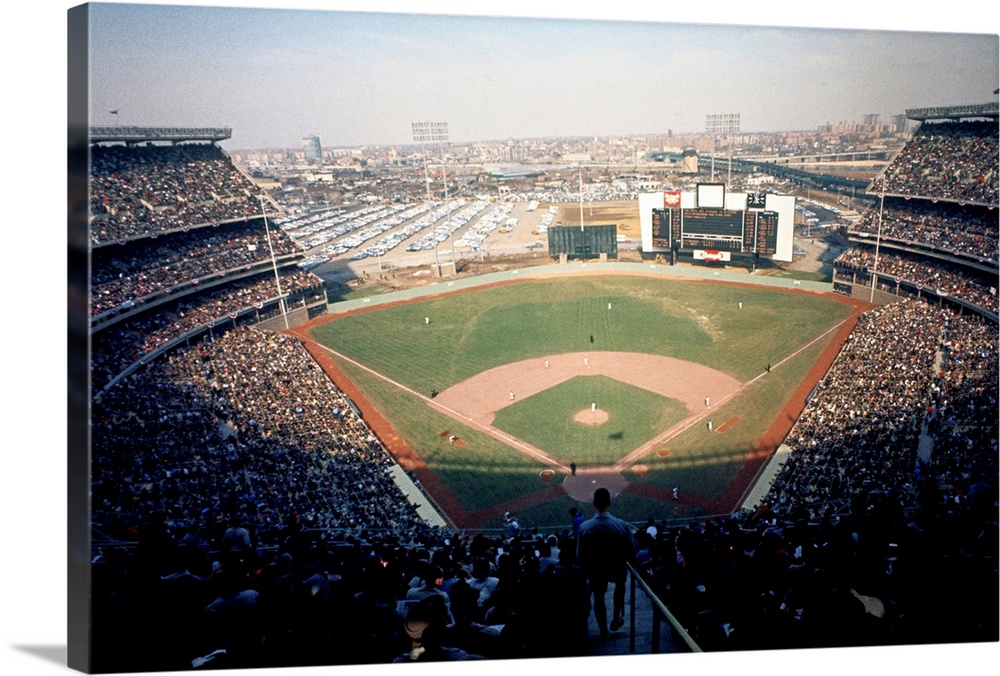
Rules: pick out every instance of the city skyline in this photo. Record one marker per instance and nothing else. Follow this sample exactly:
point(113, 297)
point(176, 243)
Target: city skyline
point(356, 78)
point(35, 502)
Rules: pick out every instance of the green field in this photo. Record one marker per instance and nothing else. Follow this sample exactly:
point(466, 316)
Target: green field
point(635, 417)
point(471, 331)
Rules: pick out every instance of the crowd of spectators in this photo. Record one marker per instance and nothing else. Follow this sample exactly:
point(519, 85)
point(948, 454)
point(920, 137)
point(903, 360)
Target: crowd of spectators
point(861, 430)
point(242, 426)
point(240, 504)
point(246, 518)
point(861, 530)
point(869, 574)
point(856, 264)
point(945, 227)
point(149, 268)
point(138, 191)
point(963, 408)
point(120, 345)
point(954, 160)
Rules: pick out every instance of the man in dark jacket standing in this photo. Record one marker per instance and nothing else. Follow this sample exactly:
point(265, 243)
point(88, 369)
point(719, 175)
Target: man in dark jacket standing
point(606, 545)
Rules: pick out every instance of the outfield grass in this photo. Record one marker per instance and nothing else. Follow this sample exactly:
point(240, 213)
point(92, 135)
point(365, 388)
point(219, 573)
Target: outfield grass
point(480, 473)
point(472, 331)
point(480, 329)
point(703, 462)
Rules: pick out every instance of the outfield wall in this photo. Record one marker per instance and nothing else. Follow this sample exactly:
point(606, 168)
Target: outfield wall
point(576, 268)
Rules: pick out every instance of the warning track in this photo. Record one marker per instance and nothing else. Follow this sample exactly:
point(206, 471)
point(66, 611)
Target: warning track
point(476, 400)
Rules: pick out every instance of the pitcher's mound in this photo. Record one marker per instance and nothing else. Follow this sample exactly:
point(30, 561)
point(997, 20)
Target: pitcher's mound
point(588, 417)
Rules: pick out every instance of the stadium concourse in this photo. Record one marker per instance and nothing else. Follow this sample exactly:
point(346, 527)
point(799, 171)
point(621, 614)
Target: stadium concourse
point(243, 515)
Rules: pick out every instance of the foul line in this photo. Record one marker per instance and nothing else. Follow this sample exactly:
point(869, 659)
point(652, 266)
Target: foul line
point(687, 423)
point(486, 429)
point(547, 459)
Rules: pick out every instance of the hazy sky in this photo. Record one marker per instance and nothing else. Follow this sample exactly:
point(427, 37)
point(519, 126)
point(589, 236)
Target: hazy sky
point(274, 75)
point(34, 53)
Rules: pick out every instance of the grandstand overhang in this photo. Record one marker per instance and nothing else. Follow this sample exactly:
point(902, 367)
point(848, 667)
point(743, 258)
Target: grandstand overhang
point(137, 135)
point(988, 110)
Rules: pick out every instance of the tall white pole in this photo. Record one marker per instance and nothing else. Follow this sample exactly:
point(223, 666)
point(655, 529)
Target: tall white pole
point(434, 131)
point(729, 170)
point(274, 263)
point(444, 175)
point(418, 135)
point(427, 177)
point(878, 241)
point(581, 200)
point(712, 179)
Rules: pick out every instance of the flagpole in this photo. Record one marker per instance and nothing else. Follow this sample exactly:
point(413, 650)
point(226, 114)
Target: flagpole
point(274, 263)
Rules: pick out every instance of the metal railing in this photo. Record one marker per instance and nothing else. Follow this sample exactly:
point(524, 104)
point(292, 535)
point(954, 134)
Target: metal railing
point(659, 614)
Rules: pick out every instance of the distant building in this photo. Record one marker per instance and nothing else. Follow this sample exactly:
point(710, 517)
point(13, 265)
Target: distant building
point(514, 172)
point(689, 161)
point(312, 148)
point(871, 119)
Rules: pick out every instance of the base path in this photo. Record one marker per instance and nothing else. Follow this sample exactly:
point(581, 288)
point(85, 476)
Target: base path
point(478, 398)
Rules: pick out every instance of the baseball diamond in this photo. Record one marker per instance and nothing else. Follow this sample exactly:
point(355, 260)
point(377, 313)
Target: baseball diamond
point(504, 383)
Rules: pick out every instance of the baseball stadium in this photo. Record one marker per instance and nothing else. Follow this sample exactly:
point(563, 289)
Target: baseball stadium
point(286, 460)
point(617, 373)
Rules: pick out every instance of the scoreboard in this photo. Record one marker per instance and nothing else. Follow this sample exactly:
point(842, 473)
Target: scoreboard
point(719, 227)
point(716, 229)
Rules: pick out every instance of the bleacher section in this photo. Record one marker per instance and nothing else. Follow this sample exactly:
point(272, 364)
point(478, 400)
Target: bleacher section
point(179, 245)
point(934, 230)
point(148, 190)
point(244, 515)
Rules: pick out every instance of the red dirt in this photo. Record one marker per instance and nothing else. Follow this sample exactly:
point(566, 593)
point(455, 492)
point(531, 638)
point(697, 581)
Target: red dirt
point(531, 376)
point(726, 425)
point(458, 441)
point(478, 398)
point(442, 498)
point(775, 435)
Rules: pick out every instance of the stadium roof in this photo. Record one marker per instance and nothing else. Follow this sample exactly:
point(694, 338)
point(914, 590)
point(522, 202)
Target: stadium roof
point(953, 112)
point(158, 134)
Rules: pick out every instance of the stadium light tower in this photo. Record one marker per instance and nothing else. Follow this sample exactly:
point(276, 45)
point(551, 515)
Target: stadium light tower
point(429, 131)
point(723, 123)
point(274, 262)
point(435, 131)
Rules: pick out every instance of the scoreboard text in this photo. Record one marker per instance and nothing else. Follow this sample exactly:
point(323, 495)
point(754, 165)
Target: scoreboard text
point(745, 232)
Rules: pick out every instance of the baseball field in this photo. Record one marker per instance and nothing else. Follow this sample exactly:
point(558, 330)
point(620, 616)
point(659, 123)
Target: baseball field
point(524, 396)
